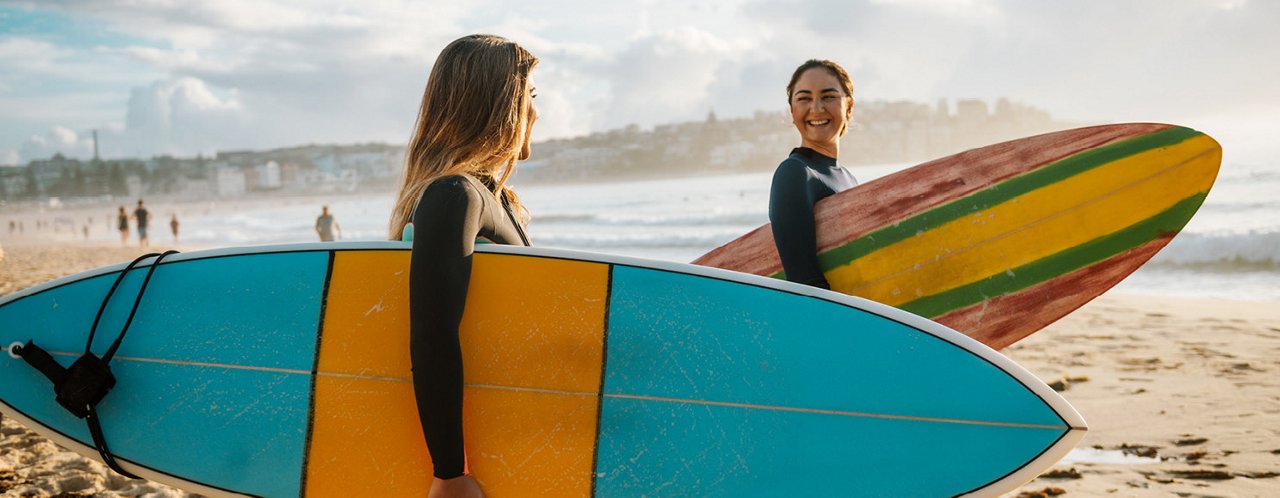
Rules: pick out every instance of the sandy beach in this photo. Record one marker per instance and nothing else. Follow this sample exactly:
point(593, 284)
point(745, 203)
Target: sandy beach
point(1189, 384)
point(1182, 395)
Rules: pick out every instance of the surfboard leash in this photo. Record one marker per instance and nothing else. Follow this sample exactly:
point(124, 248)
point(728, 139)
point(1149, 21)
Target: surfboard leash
point(80, 387)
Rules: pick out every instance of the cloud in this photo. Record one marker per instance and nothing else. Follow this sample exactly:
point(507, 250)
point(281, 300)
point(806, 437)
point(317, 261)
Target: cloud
point(963, 9)
point(1088, 60)
point(1227, 4)
point(26, 54)
point(240, 74)
point(662, 77)
point(158, 57)
point(44, 84)
point(299, 74)
point(242, 28)
point(182, 116)
point(9, 157)
point(58, 140)
point(27, 61)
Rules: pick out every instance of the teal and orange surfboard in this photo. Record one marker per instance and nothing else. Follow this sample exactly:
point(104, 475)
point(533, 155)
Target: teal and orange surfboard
point(1000, 241)
point(284, 371)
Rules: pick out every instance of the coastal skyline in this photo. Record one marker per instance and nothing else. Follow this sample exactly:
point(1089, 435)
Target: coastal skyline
point(170, 78)
point(886, 132)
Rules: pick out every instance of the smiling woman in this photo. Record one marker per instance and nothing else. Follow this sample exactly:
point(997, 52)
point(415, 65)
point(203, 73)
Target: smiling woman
point(820, 96)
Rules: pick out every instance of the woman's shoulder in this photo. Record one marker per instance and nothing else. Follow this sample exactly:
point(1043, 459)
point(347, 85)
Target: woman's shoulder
point(452, 181)
point(454, 185)
point(456, 191)
point(792, 167)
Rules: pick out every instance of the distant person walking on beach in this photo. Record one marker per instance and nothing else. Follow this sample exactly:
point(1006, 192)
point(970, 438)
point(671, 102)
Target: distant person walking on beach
point(326, 226)
point(122, 224)
point(143, 217)
point(173, 225)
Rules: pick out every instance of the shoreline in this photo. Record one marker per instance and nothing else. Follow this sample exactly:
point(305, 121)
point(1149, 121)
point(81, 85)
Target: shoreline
point(1181, 394)
point(93, 224)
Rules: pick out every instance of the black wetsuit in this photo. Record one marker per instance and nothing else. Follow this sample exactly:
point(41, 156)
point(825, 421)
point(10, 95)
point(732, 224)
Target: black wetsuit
point(802, 180)
point(452, 213)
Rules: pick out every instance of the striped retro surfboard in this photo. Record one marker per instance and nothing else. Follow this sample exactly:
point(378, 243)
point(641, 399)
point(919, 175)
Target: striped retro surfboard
point(283, 371)
point(1000, 241)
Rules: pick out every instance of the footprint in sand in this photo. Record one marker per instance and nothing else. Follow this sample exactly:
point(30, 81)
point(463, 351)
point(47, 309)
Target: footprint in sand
point(1240, 369)
point(76, 483)
point(1206, 352)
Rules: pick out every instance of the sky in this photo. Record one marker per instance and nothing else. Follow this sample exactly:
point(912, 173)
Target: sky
point(186, 77)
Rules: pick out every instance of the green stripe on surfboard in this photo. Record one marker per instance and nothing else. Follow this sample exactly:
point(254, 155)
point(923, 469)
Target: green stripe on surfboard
point(1169, 221)
point(997, 194)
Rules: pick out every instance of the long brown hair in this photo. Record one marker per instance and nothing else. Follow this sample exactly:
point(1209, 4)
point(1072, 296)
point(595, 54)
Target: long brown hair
point(845, 81)
point(472, 120)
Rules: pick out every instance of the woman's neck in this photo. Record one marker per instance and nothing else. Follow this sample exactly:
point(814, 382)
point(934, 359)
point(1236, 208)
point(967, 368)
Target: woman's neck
point(831, 149)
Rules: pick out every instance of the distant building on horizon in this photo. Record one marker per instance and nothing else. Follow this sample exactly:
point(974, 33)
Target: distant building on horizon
point(881, 132)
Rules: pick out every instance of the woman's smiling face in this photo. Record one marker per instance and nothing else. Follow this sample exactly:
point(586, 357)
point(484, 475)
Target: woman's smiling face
point(819, 107)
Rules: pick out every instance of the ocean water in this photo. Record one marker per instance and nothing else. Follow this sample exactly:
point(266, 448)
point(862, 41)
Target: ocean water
point(1230, 249)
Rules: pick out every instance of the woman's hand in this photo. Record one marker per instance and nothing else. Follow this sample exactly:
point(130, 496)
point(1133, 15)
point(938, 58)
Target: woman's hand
point(463, 486)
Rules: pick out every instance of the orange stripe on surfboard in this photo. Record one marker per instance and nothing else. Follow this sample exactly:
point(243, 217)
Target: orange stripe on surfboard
point(532, 325)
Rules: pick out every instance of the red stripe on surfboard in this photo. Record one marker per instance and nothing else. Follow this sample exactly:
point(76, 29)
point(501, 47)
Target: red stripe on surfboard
point(849, 215)
point(1004, 320)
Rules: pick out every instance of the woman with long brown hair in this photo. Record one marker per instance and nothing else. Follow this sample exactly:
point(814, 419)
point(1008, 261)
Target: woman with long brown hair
point(820, 97)
point(473, 125)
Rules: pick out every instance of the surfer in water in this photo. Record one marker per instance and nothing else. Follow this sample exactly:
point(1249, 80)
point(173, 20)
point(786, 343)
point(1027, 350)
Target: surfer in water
point(473, 125)
point(820, 96)
point(327, 227)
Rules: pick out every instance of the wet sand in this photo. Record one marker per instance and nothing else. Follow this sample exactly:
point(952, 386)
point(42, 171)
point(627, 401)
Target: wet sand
point(1192, 384)
point(1188, 388)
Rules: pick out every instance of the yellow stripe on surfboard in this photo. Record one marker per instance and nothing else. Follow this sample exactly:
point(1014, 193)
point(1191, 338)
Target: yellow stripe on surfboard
point(533, 442)
point(992, 241)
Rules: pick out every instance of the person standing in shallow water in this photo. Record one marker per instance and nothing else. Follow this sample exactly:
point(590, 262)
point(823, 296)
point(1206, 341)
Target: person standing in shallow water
point(173, 226)
point(122, 224)
point(326, 227)
point(473, 126)
point(820, 98)
point(143, 217)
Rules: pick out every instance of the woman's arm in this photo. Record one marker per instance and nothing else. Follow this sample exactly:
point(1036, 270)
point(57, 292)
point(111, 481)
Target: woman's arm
point(446, 223)
point(794, 229)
